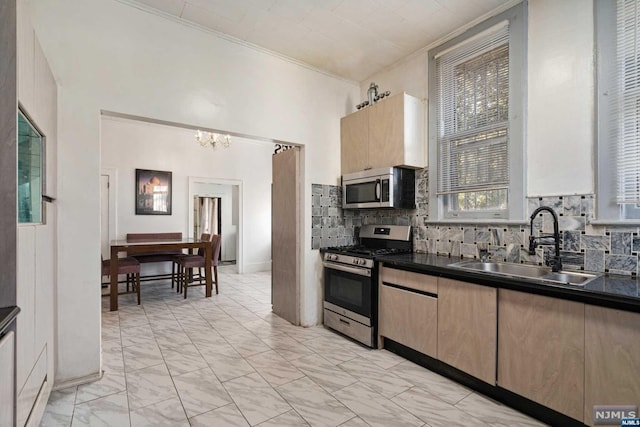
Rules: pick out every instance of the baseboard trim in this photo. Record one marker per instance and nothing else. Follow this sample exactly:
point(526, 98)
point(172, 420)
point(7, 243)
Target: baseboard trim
point(59, 385)
point(519, 403)
point(257, 267)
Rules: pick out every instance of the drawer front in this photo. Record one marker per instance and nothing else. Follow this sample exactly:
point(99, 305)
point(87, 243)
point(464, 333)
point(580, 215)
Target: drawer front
point(409, 279)
point(410, 319)
point(349, 327)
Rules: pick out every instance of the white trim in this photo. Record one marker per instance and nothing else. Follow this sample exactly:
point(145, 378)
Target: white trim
point(114, 114)
point(232, 39)
point(60, 385)
point(257, 267)
point(112, 173)
point(621, 222)
point(482, 34)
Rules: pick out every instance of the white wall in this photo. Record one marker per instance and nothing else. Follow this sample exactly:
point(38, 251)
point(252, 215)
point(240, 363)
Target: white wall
point(561, 98)
point(107, 55)
point(127, 145)
point(36, 273)
point(560, 103)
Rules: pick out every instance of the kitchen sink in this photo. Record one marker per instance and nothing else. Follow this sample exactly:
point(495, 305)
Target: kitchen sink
point(525, 271)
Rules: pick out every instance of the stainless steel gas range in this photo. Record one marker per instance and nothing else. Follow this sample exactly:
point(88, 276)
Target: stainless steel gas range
point(351, 280)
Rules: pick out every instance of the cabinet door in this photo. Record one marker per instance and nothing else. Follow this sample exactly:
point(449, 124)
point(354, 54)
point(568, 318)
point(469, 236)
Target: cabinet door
point(409, 318)
point(7, 369)
point(354, 142)
point(467, 328)
point(612, 359)
point(541, 350)
point(386, 132)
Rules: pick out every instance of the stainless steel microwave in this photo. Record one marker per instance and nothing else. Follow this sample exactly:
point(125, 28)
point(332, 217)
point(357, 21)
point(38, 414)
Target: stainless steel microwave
point(379, 188)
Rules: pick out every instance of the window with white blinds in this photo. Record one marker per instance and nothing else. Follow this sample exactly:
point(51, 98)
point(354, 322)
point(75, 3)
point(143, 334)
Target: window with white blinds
point(618, 55)
point(628, 101)
point(473, 113)
point(478, 169)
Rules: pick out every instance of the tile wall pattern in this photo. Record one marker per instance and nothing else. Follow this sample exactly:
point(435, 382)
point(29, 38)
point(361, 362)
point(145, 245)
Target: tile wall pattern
point(584, 246)
point(334, 226)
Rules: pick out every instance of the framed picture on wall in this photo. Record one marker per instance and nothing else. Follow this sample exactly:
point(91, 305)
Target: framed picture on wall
point(153, 192)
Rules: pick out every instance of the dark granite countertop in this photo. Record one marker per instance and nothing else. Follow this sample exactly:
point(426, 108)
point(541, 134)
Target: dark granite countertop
point(7, 315)
point(620, 292)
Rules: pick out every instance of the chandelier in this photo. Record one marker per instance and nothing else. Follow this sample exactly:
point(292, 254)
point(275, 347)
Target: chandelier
point(214, 140)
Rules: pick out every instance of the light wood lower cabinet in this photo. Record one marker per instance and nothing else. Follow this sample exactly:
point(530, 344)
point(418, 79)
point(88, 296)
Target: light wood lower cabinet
point(541, 350)
point(467, 327)
point(409, 319)
point(565, 355)
point(409, 316)
point(7, 371)
point(612, 359)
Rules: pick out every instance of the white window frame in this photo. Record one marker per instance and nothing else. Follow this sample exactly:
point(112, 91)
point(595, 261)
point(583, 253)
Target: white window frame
point(516, 17)
point(608, 210)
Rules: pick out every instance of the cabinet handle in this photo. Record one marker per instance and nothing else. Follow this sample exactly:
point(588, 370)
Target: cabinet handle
point(344, 321)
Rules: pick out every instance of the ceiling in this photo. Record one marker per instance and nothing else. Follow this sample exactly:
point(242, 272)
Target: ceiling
point(353, 39)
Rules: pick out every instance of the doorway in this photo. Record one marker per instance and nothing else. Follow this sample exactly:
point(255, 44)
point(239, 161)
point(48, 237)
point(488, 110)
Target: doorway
point(207, 217)
point(215, 208)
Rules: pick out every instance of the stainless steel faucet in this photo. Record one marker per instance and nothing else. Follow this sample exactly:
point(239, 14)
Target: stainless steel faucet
point(557, 262)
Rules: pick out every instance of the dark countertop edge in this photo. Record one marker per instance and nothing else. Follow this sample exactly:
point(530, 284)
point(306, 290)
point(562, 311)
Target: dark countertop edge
point(620, 302)
point(7, 315)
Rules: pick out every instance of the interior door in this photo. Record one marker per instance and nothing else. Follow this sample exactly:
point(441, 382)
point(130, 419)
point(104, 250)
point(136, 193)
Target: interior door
point(286, 235)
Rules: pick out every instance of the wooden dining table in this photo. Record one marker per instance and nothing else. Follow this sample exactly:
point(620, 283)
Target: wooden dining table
point(137, 247)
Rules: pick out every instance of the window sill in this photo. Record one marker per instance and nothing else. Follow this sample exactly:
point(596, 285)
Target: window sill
point(477, 221)
point(635, 222)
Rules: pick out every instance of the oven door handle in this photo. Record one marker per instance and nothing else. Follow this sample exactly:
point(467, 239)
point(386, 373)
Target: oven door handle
point(348, 269)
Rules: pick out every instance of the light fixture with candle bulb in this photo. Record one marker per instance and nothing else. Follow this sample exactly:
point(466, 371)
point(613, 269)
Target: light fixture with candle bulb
point(214, 140)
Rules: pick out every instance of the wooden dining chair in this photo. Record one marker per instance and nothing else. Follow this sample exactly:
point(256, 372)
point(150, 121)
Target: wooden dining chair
point(176, 268)
point(190, 262)
point(130, 267)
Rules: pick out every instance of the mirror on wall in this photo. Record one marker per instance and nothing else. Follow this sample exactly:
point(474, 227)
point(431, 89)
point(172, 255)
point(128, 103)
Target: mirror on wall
point(30, 172)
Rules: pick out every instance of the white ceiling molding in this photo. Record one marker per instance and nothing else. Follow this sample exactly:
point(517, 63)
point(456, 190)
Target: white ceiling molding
point(348, 39)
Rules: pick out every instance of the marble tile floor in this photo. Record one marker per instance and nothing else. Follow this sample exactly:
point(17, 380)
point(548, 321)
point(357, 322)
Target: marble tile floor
point(229, 361)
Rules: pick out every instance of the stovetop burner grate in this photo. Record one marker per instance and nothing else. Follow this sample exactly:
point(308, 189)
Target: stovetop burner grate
point(367, 251)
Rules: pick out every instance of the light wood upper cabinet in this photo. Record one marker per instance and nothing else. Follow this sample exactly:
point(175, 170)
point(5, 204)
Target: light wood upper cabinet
point(354, 129)
point(612, 359)
point(388, 133)
point(407, 317)
point(541, 350)
point(467, 323)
